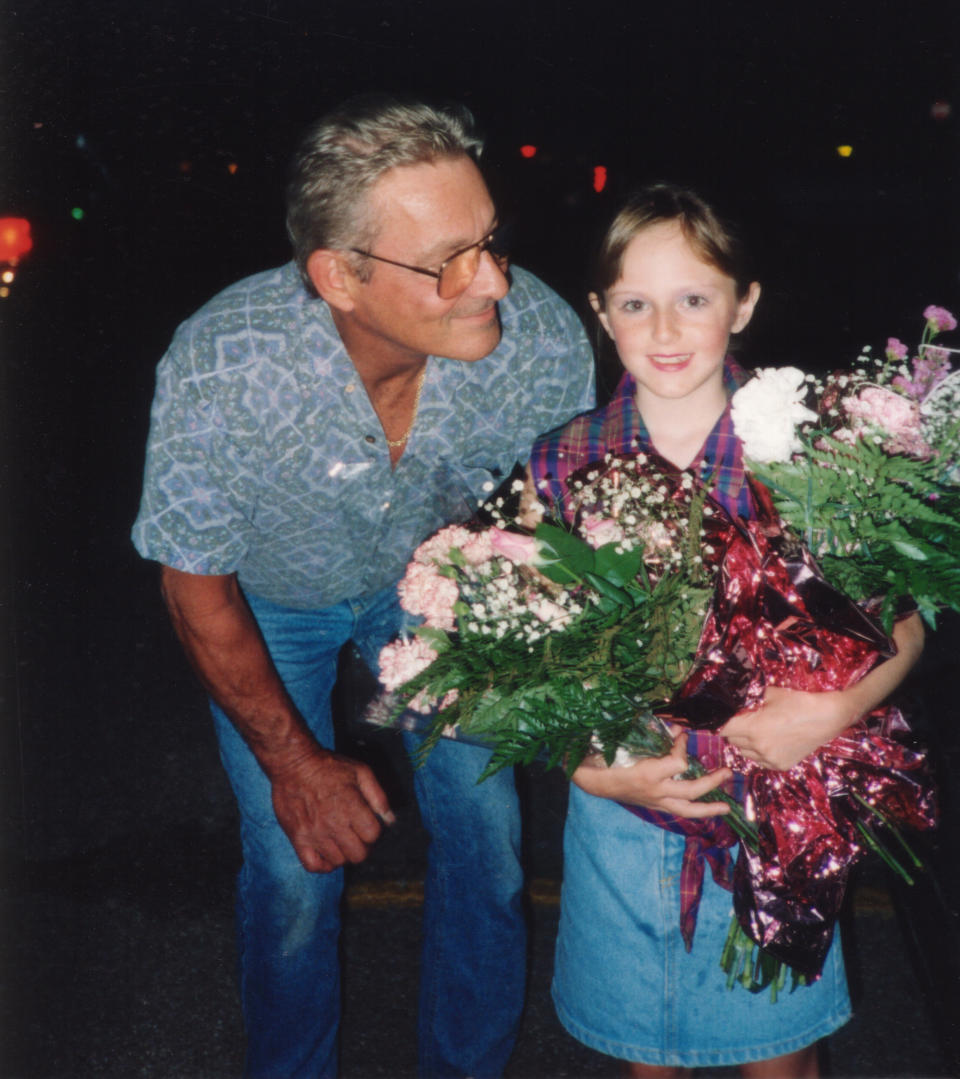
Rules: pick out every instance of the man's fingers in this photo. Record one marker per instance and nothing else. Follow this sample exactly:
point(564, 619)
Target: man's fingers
point(375, 797)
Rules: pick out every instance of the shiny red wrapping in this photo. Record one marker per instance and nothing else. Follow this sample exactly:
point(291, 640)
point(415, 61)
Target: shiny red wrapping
point(774, 620)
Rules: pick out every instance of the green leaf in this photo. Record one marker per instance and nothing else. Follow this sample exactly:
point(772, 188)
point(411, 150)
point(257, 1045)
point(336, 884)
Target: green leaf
point(616, 595)
point(619, 567)
point(911, 550)
point(570, 557)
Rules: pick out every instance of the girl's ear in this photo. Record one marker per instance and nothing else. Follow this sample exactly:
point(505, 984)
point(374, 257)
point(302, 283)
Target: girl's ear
point(601, 314)
point(745, 307)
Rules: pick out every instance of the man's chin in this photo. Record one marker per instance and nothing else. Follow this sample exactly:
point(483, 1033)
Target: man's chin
point(480, 344)
point(477, 344)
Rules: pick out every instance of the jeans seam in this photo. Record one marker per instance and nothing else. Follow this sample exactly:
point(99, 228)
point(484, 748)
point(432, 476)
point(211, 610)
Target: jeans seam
point(434, 940)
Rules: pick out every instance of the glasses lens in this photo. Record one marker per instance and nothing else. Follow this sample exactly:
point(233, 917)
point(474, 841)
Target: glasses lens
point(456, 275)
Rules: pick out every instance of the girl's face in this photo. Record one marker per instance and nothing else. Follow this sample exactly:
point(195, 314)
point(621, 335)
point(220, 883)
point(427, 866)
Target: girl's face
point(671, 314)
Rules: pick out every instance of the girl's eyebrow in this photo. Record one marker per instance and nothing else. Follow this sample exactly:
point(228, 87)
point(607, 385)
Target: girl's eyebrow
point(684, 288)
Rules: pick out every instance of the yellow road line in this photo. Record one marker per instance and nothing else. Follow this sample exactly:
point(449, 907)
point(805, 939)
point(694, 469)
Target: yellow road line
point(545, 892)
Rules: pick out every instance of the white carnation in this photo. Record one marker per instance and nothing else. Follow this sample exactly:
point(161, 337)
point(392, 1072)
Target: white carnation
point(766, 412)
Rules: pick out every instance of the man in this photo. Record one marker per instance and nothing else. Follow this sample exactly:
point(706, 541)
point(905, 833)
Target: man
point(312, 424)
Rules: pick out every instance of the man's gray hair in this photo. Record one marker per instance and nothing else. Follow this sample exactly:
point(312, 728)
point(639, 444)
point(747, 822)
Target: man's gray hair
point(344, 153)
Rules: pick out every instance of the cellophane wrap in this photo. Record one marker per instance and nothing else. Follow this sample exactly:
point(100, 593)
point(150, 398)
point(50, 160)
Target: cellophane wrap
point(775, 621)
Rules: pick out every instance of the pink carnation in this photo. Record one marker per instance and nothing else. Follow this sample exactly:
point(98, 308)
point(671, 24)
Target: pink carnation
point(425, 591)
point(600, 530)
point(518, 548)
point(897, 416)
point(437, 547)
point(477, 548)
point(939, 319)
point(404, 659)
point(896, 349)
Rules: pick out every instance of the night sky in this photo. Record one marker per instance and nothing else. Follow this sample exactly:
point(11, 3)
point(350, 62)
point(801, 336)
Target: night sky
point(750, 101)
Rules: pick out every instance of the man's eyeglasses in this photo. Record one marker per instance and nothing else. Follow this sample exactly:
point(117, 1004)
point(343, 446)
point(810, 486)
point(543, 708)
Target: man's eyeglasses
point(458, 271)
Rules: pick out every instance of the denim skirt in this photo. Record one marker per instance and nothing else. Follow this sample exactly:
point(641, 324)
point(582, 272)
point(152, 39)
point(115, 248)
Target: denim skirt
point(624, 983)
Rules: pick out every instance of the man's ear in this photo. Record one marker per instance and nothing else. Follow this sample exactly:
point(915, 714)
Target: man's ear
point(332, 277)
point(597, 306)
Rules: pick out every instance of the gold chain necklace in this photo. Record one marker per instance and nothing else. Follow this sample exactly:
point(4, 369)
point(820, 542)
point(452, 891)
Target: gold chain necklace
point(393, 443)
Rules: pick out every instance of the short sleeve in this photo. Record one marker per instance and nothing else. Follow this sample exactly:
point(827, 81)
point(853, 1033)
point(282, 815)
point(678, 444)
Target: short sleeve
point(199, 494)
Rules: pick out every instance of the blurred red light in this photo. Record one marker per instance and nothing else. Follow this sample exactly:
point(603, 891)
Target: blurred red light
point(15, 238)
point(599, 178)
point(528, 151)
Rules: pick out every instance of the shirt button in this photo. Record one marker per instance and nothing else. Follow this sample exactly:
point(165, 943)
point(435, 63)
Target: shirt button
point(349, 388)
point(369, 438)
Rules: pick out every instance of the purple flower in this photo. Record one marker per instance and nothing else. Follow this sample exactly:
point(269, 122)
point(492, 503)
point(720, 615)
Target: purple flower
point(939, 319)
point(929, 370)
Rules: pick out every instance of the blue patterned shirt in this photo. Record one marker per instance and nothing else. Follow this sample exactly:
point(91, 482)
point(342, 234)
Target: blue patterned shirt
point(266, 458)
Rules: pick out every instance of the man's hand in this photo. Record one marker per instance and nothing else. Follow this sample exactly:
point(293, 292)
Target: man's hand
point(651, 783)
point(331, 809)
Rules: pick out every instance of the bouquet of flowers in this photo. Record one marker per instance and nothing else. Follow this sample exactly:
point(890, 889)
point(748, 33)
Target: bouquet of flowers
point(654, 604)
point(559, 641)
point(869, 476)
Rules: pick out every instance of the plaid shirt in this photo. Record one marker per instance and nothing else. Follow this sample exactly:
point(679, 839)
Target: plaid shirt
point(619, 428)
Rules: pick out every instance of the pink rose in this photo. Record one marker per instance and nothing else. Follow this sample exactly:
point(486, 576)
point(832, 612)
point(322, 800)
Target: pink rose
point(939, 319)
point(518, 548)
point(425, 591)
point(600, 530)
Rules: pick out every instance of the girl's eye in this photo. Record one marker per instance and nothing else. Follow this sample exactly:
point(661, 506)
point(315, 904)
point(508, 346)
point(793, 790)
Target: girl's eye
point(634, 306)
point(695, 302)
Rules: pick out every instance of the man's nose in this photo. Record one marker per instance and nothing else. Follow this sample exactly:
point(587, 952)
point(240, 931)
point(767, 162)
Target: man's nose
point(490, 279)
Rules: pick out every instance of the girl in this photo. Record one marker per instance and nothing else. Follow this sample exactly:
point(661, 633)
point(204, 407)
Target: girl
point(670, 290)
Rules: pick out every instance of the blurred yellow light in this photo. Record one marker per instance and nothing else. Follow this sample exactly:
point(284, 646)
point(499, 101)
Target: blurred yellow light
point(6, 277)
point(844, 151)
point(4, 292)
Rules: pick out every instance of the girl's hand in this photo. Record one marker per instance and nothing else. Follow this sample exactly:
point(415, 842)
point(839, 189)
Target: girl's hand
point(789, 725)
point(650, 783)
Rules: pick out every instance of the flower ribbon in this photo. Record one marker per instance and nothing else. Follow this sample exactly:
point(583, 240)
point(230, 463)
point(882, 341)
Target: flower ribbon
point(774, 620)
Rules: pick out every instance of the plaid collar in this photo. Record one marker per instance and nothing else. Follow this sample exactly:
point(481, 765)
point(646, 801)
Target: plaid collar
point(720, 460)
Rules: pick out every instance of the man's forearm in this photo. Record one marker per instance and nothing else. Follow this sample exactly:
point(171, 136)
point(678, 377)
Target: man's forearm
point(225, 648)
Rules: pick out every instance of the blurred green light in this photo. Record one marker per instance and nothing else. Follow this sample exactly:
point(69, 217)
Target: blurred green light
point(77, 214)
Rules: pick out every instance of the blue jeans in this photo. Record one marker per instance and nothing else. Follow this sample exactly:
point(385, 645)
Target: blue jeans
point(288, 920)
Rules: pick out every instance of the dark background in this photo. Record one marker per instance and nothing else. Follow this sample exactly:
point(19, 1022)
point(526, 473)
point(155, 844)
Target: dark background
point(133, 111)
